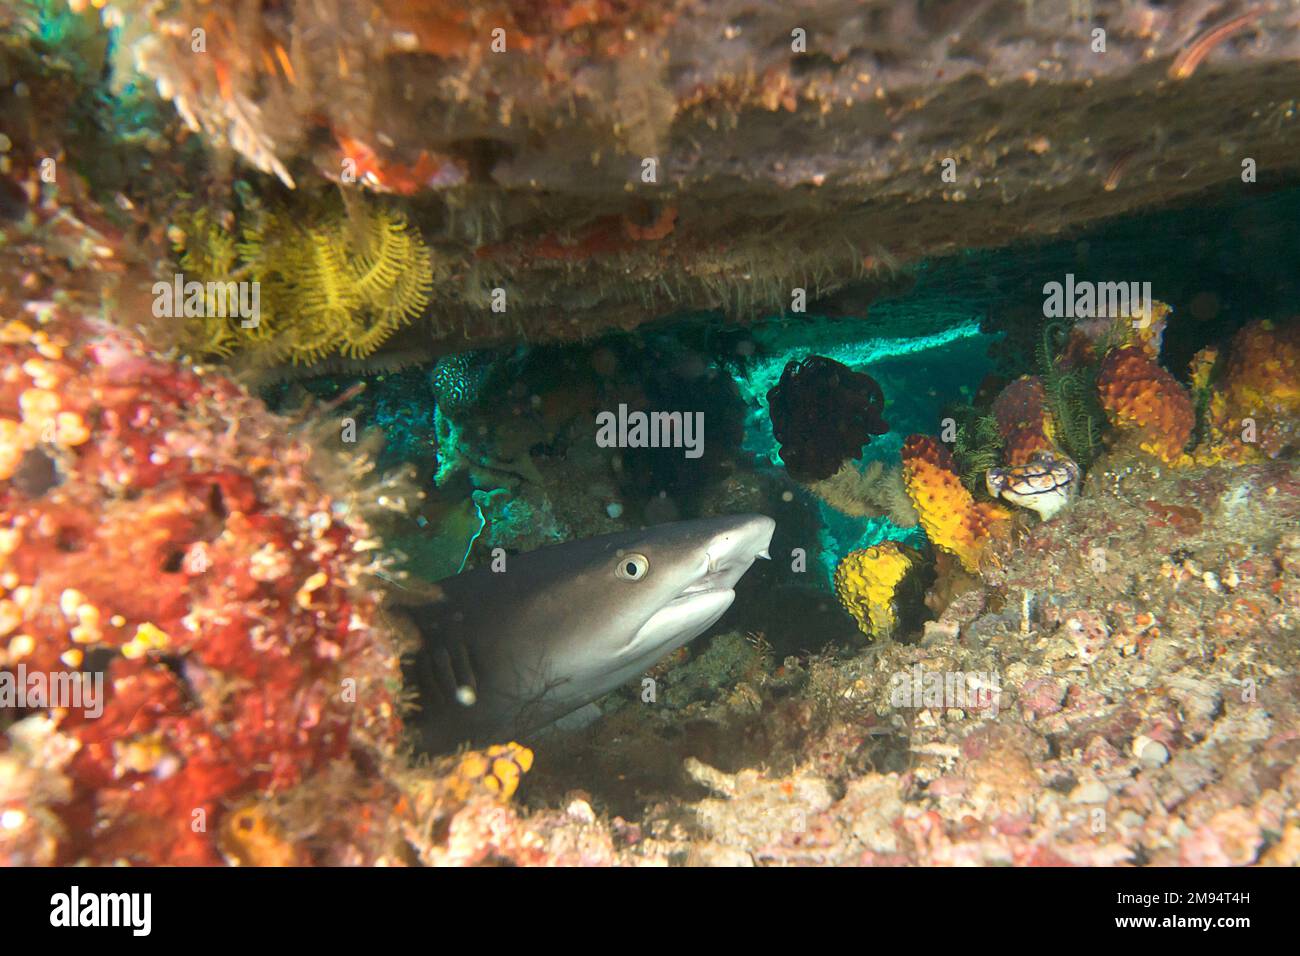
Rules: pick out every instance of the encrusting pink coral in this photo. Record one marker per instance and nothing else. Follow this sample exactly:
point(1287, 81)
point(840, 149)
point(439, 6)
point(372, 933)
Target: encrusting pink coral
point(159, 529)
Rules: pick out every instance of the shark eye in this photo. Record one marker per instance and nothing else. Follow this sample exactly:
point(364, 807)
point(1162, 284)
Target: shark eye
point(633, 567)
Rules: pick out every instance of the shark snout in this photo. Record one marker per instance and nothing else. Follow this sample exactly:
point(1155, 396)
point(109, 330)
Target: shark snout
point(732, 551)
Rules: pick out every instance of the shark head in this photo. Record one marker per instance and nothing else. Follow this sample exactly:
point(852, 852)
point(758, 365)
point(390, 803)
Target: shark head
point(562, 626)
point(674, 582)
point(632, 598)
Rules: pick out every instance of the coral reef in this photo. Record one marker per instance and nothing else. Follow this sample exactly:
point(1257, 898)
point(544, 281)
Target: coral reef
point(1147, 403)
point(222, 585)
point(162, 541)
point(1046, 719)
point(868, 581)
point(1024, 421)
point(197, 576)
point(953, 520)
point(823, 414)
point(1255, 407)
point(339, 280)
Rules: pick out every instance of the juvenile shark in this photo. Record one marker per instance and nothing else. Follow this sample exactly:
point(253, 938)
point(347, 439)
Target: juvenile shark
point(504, 654)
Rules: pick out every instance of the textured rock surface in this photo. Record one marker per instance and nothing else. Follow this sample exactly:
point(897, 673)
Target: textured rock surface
point(774, 169)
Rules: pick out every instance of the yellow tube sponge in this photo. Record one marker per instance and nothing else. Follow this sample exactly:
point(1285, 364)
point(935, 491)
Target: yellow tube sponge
point(867, 581)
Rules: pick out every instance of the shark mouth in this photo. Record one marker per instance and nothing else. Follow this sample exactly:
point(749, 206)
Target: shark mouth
point(699, 605)
point(686, 616)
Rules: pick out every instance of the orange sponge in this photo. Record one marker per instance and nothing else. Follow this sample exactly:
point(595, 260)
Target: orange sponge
point(1142, 398)
point(1023, 420)
point(1256, 411)
point(953, 520)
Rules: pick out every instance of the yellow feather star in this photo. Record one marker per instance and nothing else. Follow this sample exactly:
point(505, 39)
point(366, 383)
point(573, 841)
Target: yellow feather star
point(342, 283)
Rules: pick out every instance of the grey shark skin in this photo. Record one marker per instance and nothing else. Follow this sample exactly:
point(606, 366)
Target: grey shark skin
point(504, 654)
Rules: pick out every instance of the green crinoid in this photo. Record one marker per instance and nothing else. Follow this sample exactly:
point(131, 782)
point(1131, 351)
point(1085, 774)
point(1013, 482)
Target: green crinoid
point(1072, 398)
point(339, 279)
point(977, 446)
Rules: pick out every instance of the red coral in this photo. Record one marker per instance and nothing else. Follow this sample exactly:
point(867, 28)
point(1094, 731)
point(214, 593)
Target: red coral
point(1023, 420)
point(176, 543)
